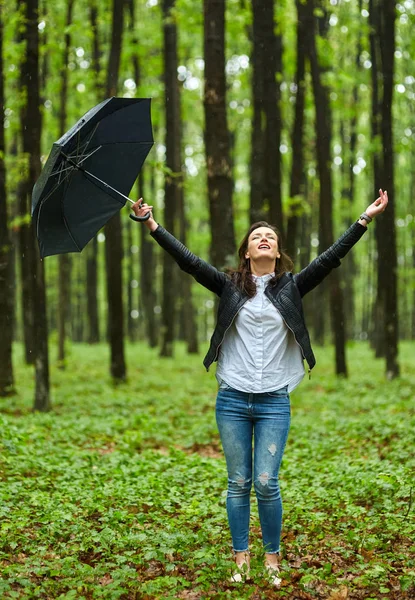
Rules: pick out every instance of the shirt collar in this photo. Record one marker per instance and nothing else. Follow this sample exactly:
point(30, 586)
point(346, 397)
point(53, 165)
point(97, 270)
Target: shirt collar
point(263, 279)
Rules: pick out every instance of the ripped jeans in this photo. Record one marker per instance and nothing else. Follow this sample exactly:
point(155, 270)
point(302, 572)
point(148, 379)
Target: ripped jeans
point(266, 417)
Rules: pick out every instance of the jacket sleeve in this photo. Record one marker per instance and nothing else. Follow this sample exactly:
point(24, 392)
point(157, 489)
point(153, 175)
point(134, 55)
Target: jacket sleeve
point(203, 272)
point(320, 267)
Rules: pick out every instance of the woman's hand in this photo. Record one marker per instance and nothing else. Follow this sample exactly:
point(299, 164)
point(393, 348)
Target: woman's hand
point(378, 206)
point(140, 209)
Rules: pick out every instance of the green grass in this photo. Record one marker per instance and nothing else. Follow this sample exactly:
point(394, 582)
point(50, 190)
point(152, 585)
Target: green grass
point(119, 492)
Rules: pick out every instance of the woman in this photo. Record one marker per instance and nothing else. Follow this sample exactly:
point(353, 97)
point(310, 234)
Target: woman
point(260, 341)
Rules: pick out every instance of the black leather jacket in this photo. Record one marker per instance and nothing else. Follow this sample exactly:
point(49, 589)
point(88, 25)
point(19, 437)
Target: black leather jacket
point(285, 295)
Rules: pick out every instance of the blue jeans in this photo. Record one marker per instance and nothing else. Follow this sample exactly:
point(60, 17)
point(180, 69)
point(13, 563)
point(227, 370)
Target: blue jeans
point(266, 417)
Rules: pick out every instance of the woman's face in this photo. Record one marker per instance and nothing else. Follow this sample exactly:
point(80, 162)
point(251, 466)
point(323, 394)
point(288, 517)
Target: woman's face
point(262, 243)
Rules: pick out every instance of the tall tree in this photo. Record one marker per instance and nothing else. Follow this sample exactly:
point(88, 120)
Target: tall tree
point(297, 165)
point(31, 135)
point(382, 41)
point(147, 270)
point(113, 232)
point(266, 126)
point(6, 289)
point(219, 172)
point(24, 230)
point(92, 249)
point(173, 177)
point(323, 144)
point(64, 279)
point(188, 312)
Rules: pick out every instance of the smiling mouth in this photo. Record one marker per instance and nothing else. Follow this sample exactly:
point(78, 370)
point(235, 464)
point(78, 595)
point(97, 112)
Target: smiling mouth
point(264, 247)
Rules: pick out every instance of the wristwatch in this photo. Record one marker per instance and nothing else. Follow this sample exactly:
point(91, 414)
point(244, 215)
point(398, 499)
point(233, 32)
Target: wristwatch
point(365, 217)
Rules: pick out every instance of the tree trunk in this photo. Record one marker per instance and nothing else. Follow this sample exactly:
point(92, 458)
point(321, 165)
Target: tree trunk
point(378, 320)
point(187, 309)
point(113, 232)
point(387, 251)
point(147, 271)
point(266, 126)
point(24, 230)
point(6, 288)
point(31, 127)
point(326, 238)
point(174, 176)
point(297, 166)
point(219, 173)
point(92, 249)
point(92, 292)
point(147, 255)
point(382, 19)
point(64, 279)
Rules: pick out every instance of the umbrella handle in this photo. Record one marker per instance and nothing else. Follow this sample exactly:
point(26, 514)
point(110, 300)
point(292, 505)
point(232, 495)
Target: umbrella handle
point(140, 219)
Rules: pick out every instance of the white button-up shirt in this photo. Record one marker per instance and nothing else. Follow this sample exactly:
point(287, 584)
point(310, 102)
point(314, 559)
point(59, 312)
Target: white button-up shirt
point(259, 353)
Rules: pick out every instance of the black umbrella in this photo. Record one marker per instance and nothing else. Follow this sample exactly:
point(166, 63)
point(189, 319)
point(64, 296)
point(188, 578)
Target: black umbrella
point(89, 174)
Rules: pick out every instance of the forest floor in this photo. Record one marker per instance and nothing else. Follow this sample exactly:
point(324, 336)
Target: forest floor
point(119, 492)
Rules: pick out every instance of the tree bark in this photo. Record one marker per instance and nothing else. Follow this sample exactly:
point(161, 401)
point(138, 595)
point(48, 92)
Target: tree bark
point(92, 249)
point(387, 250)
point(64, 278)
point(147, 255)
point(113, 232)
point(147, 271)
point(266, 127)
point(297, 166)
point(219, 172)
point(6, 288)
point(187, 310)
point(382, 39)
point(92, 292)
point(31, 130)
point(326, 238)
point(174, 175)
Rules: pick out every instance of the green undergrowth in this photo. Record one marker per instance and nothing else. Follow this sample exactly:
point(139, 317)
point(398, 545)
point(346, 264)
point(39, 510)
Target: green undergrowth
point(118, 492)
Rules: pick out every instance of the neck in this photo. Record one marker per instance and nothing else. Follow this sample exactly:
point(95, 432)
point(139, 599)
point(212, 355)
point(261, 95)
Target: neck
point(261, 269)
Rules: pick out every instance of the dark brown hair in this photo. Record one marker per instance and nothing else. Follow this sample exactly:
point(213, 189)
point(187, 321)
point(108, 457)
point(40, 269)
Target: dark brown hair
point(242, 275)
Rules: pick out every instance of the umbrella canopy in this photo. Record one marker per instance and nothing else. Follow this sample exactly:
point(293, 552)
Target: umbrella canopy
point(89, 174)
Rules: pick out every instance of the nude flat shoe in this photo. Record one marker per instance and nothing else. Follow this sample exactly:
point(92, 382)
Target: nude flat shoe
point(241, 574)
point(273, 575)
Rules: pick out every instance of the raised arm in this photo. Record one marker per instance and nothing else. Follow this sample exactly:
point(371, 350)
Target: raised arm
point(321, 266)
point(203, 272)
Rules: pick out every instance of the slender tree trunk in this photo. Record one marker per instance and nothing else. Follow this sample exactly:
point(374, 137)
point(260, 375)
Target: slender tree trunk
point(147, 271)
point(113, 232)
point(147, 255)
point(64, 279)
point(266, 126)
point(382, 18)
point(174, 176)
point(297, 166)
point(24, 231)
point(31, 126)
point(388, 251)
point(92, 249)
point(187, 310)
point(92, 292)
point(258, 209)
point(323, 135)
point(378, 334)
point(219, 172)
point(6, 289)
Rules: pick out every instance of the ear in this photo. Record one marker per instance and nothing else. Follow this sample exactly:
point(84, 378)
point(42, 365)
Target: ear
point(247, 255)
point(278, 255)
